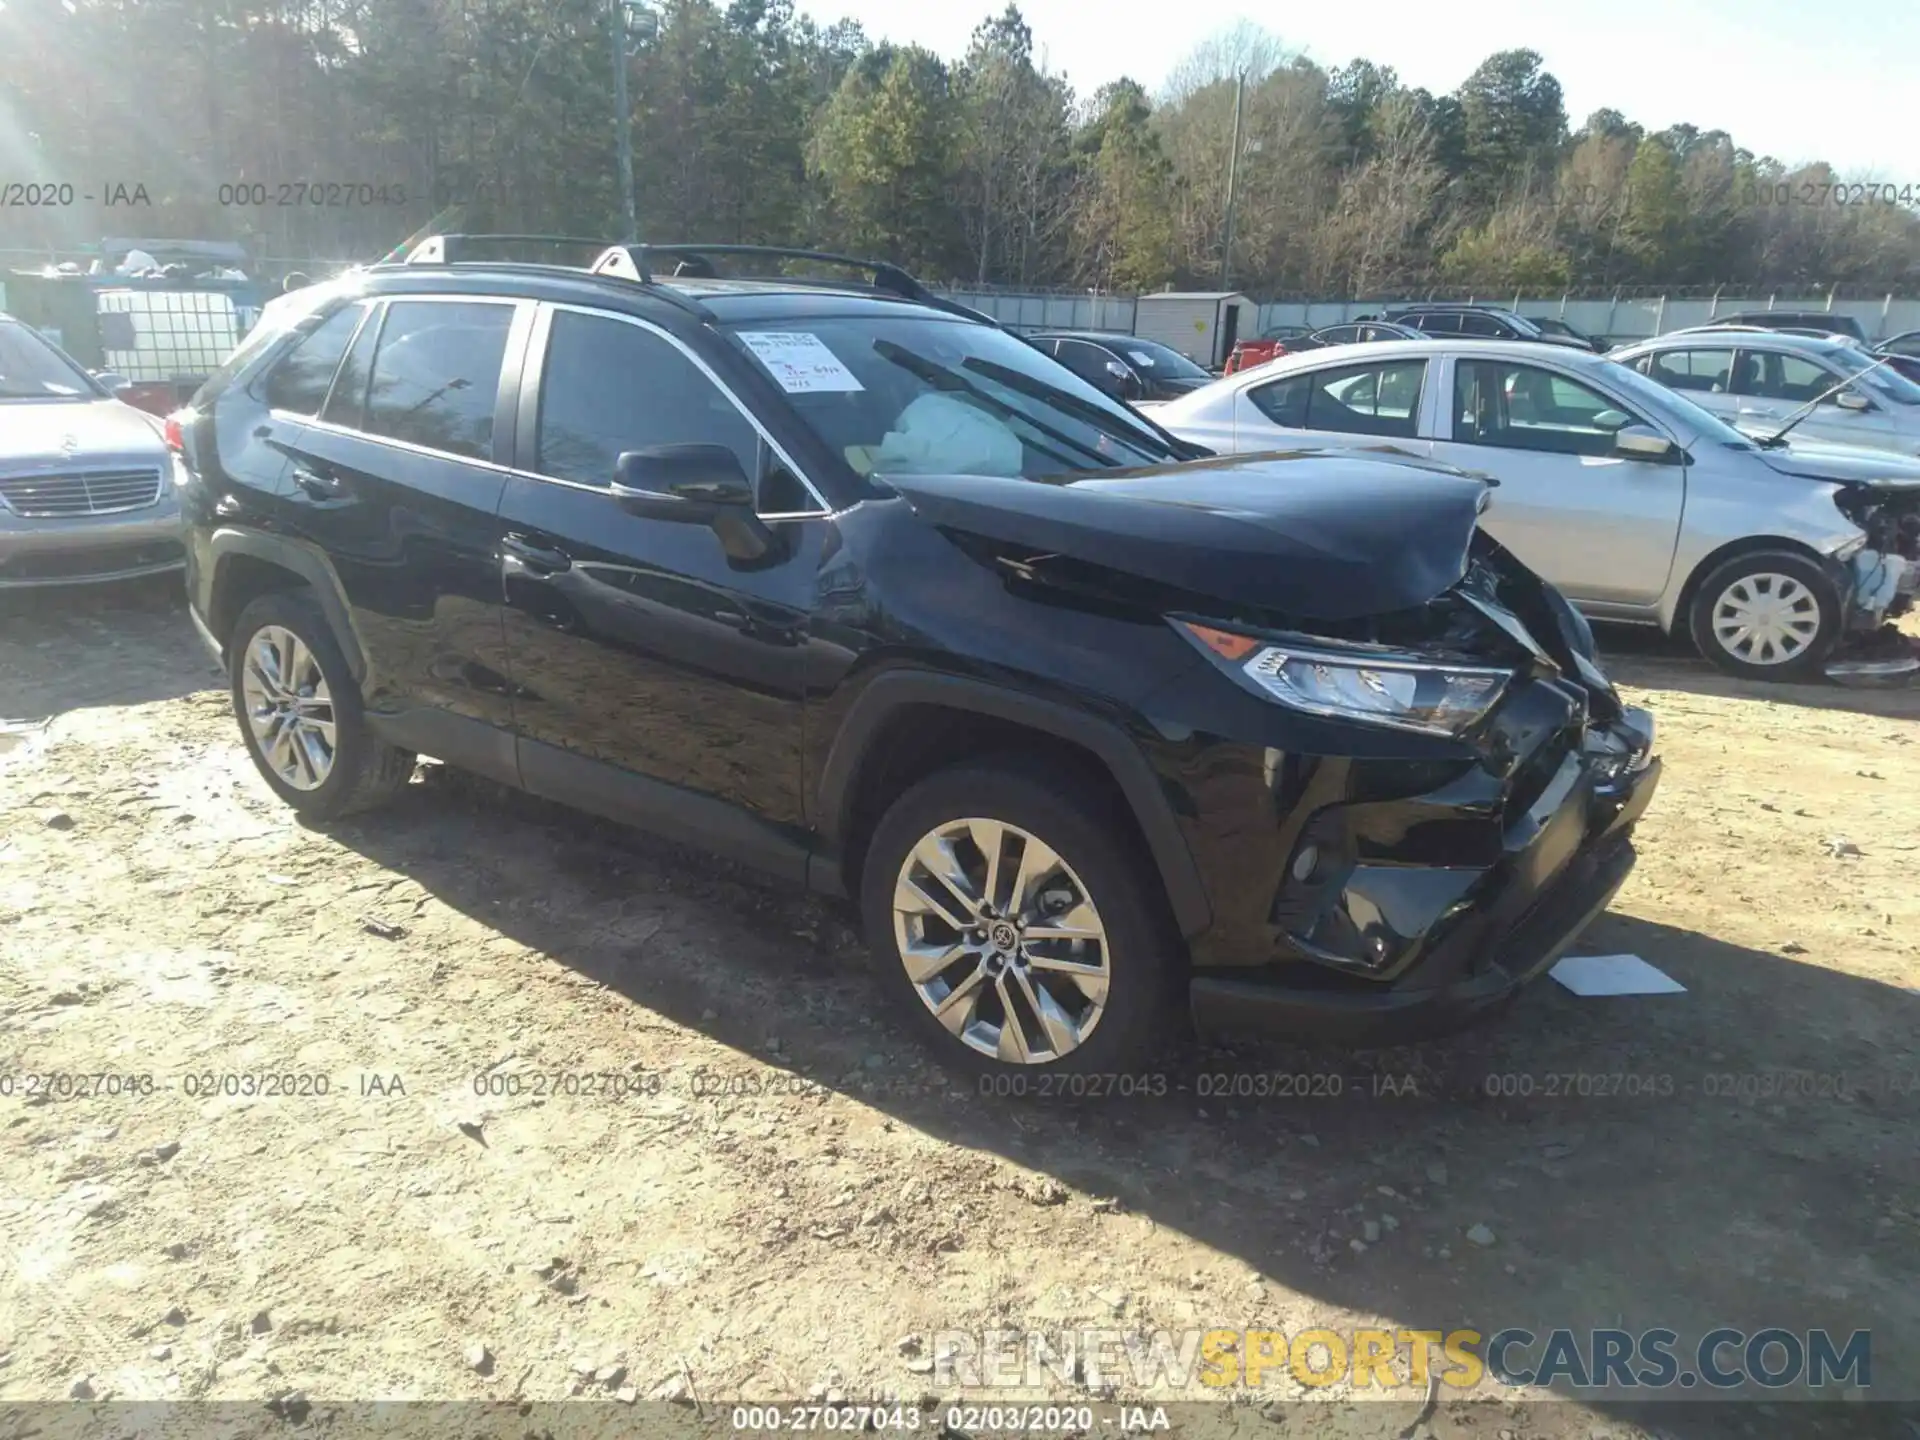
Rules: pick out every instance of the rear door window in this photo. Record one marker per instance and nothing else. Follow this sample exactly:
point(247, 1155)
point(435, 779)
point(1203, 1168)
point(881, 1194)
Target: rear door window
point(347, 401)
point(1708, 371)
point(436, 375)
point(1284, 402)
point(1436, 324)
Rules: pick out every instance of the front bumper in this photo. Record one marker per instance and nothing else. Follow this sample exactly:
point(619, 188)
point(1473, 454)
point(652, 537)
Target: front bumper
point(1420, 927)
point(91, 549)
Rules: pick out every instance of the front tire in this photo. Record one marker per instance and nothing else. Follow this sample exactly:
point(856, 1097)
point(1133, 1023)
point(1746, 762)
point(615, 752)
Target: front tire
point(1768, 615)
point(300, 713)
point(1014, 928)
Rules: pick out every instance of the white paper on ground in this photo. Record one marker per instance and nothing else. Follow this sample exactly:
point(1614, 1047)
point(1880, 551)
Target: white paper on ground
point(1614, 975)
point(800, 361)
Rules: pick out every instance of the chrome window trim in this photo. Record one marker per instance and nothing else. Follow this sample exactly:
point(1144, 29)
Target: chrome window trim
point(287, 417)
point(377, 306)
point(793, 467)
point(374, 310)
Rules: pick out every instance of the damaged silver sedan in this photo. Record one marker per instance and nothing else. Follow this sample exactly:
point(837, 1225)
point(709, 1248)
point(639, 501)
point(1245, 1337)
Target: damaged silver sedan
point(1780, 558)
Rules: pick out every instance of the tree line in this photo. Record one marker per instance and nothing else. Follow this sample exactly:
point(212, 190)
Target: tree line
point(336, 128)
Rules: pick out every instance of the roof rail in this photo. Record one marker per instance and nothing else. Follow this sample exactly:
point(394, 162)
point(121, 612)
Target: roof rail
point(690, 261)
point(458, 249)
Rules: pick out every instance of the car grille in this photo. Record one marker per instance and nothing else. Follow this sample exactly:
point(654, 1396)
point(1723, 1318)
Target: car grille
point(80, 492)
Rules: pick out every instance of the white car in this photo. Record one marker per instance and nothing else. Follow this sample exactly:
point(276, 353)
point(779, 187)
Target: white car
point(1639, 505)
point(1759, 380)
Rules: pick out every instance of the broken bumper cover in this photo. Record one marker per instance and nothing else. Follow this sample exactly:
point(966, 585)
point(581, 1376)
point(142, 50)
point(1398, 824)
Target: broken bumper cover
point(1459, 940)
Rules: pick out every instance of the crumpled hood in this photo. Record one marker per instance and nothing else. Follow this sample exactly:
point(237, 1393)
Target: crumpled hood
point(1812, 460)
point(1324, 535)
point(32, 431)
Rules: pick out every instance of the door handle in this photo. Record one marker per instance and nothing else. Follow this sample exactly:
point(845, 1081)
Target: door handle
point(319, 485)
point(519, 552)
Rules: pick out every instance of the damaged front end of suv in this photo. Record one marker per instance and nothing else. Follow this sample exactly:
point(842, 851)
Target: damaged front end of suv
point(1404, 780)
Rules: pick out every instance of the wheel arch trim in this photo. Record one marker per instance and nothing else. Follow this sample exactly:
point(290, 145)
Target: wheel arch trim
point(302, 561)
point(1678, 620)
point(888, 693)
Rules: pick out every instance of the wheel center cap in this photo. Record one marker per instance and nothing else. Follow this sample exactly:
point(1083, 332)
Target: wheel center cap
point(1004, 937)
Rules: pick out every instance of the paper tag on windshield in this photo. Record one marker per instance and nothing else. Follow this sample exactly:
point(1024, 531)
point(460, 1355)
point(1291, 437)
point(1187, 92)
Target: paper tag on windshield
point(1140, 357)
point(799, 361)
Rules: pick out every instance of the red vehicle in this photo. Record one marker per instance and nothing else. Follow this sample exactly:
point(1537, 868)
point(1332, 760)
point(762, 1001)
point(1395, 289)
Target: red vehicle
point(1249, 353)
point(1270, 346)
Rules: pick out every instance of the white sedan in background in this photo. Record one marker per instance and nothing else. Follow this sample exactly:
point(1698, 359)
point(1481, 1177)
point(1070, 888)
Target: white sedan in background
point(1778, 558)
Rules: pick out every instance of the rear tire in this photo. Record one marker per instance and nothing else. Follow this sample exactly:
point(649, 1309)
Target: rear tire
point(300, 712)
point(1767, 615)
point(1012, 998)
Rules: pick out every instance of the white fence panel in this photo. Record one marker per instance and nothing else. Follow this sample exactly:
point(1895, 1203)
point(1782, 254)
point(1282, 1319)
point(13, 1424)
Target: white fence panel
point(1620, 320)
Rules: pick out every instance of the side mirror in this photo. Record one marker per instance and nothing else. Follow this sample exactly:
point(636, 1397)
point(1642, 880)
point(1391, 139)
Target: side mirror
point(1118, 381)
point(1642, 442)
point(694, 485)
point(1852, 400)
point(1612, 421)
point(113, 383)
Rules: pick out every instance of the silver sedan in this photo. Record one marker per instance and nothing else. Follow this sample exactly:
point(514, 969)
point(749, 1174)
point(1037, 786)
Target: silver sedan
point(86, 482)
point(1777, 558)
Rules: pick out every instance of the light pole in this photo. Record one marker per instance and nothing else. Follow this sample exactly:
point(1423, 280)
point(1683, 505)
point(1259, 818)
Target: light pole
point(1233, 176)
point(622, 16)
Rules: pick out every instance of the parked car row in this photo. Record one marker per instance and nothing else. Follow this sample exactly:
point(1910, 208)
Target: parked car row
point(1408, 322)
point(1638, 503)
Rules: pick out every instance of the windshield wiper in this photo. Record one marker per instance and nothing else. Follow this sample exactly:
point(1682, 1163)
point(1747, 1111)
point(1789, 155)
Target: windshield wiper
point(1047, 395)
point(1779, 437)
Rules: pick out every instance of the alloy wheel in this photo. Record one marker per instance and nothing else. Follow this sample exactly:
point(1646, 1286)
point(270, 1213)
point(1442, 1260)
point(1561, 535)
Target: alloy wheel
point(1001, 941)
point(1766, 619)
point(289, 710)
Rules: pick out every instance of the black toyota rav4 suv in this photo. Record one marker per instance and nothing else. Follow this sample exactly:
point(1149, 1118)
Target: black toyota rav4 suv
point(841, 579)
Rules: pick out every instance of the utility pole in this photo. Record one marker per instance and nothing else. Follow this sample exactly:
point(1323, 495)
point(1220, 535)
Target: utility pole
point(1233, 177)
point(623, 120)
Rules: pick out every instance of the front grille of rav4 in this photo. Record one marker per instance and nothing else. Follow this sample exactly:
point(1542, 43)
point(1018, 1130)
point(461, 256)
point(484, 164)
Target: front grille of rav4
point(80, 492)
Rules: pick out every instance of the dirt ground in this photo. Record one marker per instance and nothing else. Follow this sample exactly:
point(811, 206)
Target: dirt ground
point(809, 1231)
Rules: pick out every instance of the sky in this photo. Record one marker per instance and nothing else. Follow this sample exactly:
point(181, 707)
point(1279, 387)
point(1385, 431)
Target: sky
point(1788, 78)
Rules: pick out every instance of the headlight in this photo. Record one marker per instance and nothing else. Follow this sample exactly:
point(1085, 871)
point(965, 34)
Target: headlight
point(1401, 692)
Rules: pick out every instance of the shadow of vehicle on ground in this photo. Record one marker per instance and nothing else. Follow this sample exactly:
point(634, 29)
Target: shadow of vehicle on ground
point(1643, 656)
point(1741, 1155)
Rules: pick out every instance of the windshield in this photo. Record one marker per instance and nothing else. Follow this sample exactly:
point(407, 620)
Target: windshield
point(1656, 396)
point(1160, 361)
point(925, 396)
point(1886, 382)
point(31, 369)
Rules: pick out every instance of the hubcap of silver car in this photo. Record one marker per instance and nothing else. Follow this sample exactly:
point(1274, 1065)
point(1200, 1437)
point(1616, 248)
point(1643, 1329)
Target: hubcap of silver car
point(1766, 619)
point(1001, 941)
point(288, 708)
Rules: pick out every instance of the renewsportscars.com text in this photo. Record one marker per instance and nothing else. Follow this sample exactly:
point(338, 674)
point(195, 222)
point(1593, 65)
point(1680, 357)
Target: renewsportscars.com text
point(1387, 1360)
